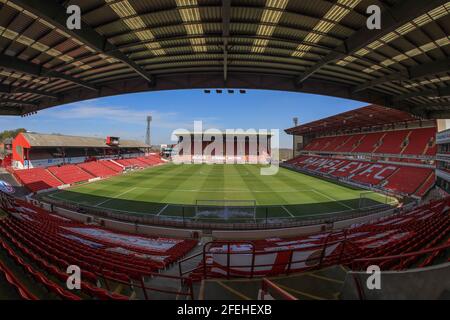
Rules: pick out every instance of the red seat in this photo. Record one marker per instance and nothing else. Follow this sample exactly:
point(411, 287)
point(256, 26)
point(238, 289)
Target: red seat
point(407, 179)
point(419, 142)
point(70, 173)
point(97, 169)
point(37, 179)
point(407, 141)
point(392, 142)
point(111, 165)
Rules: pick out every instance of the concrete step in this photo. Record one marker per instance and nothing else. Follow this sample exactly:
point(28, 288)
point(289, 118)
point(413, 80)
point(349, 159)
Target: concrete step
point(174, 285)
point(322, 284)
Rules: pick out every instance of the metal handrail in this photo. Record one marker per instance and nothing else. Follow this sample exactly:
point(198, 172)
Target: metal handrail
point(336, 257)
point(266, 284)
point(356, 262)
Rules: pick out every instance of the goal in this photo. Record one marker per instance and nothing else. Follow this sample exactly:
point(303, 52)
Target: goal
point(226, 209)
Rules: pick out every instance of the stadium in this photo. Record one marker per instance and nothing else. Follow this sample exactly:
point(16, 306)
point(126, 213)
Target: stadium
point(220, 214)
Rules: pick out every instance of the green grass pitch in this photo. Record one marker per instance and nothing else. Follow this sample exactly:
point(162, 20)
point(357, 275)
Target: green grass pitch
point(287, 194)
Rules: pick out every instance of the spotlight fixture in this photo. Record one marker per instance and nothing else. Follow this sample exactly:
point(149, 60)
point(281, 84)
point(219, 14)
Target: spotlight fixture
point(220, 91)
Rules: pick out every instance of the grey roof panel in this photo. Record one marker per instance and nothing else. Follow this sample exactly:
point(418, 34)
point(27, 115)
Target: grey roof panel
point(54, 140)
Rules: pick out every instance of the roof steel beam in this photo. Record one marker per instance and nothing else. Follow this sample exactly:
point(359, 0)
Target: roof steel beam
point(401, 13)
point(410, 73)
point(439, 92)
point(52, 11)
point(13, 90)
point(24, 103)
point(33, 69)
point(226, 14)
point(11, 111)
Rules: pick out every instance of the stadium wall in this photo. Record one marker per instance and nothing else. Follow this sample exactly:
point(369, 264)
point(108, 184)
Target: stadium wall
point(266, 233)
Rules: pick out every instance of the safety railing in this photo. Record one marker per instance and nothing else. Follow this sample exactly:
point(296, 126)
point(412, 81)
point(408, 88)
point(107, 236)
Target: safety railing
point(228, 270)
point(362, 263)
point(184, 282)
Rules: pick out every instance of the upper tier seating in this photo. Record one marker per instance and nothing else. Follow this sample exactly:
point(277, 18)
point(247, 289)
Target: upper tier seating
point(350, 143)
point(425, 227)
point(421, 141)
point(409, 141)
point(37, 179)
point(97, 169)
point(392, 177)
point(393, 141)
point(124, 162)
point(369, 143)
point(151, 159)
point(70, 173)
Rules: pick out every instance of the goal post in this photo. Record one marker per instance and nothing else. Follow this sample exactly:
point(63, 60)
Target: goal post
point(225, 209)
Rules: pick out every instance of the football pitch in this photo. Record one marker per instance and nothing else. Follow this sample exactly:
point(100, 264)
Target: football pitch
point(174, 190)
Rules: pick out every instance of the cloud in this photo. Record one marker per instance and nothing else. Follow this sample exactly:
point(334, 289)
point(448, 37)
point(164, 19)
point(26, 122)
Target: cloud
point(92, 110)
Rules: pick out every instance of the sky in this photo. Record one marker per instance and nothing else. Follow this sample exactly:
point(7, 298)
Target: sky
point(125, 115)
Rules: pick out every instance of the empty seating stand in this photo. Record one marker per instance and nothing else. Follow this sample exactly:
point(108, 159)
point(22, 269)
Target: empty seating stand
point(37, 179)
point(392, 142)
point(425, 227)
point(70, 173)
point(111, 165)
point(369, 143)
point(421, 141)
point(97, 169)
point(408, 179)
point(53, 243)
point(418, 141)
point(397, 178)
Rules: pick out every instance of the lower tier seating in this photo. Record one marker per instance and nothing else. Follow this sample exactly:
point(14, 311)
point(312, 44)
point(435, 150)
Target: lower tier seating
point(418, 141)
point(113, 166)
point(97, 169)
point(70, 173)
point(423, 228)
point(405, 180)
point(52, 243)
point(37, 179)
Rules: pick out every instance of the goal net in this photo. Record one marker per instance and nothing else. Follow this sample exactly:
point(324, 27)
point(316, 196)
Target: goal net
point(226, 209)
point(369, 200)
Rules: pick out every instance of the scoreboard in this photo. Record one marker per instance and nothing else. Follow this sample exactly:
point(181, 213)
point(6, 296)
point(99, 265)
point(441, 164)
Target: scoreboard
point(112, 141)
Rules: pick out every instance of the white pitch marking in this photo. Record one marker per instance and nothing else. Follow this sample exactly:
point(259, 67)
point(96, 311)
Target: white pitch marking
point(115, 197)
point(288, 211)
point(227, 190)
point(332, 199)
point(164, 208)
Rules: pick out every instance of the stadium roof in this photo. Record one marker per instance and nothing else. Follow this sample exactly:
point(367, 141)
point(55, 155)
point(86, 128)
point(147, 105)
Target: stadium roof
point(55, 141)
point(314, 46)
point(368, 116)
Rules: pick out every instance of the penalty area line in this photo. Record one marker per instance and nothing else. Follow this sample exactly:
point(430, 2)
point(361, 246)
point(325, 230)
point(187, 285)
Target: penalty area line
point(330, 198)
point(164, 208)
point(285, 209)
point(115, 197)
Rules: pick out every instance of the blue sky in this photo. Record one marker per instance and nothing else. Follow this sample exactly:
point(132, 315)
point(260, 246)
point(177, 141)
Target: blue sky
point(125, 115)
